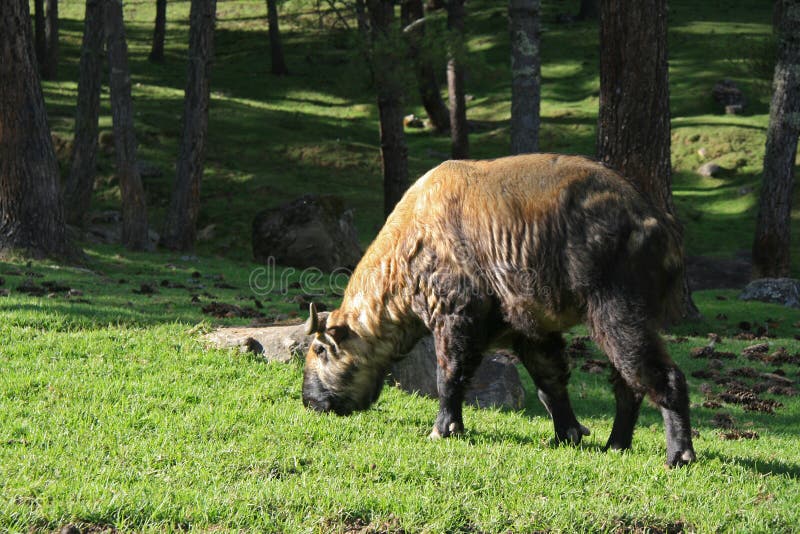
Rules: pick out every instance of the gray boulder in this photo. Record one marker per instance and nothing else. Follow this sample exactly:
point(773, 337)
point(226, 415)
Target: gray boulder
point(784, 291)
point(311, 231)
point(275, 343)
point(496, 382)
point(709, 169)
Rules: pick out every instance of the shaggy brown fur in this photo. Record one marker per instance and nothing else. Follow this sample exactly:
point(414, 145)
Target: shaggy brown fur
point(515, 251)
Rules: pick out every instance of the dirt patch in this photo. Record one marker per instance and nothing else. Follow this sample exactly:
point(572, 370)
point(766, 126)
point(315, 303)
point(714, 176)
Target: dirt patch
point(739, 434)
point(222, 310)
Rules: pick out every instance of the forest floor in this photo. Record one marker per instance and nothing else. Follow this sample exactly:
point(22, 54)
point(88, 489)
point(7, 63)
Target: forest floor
point(115, 416)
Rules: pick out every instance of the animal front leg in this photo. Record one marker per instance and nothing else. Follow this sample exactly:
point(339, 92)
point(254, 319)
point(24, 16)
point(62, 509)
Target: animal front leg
point(628, 404)
point(545, 361)
point(457, 356)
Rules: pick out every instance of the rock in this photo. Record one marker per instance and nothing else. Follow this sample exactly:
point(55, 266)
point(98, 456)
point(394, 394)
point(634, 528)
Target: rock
point(728, 94)
point(412, 121)
point(784, 291)
point(275, 343)
point(702, 152)
point(311, 231)
point(709, 169)
point(496, 382)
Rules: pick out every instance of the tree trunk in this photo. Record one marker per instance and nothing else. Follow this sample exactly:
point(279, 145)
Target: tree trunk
point(159, 32)
point(525, 75)
point(180, 227)
point(275, 44)
point(385, 54)
point(83, 164)
point(438, 114)
point(31, 216)
point(459, 129)
point(50, 63)
point(39, 31)
point(361, 19)
point(633, 133)
point(771, 252)
point(590, 9)
point(134, 210)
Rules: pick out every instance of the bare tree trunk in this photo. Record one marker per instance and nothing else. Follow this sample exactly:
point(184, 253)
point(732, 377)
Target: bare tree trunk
point(385, 55)
point(39, 31)
point(275, 44)
point(525, 75)
point(159, 32)
point(134, 209)
point(425, 73)
point(83, 164)
point(180, 227)
point(771, 250)
point(31, 213)
point(459, 129)
point(633, 133)
point(50, 63)
point(590, 9)
point(361, 19)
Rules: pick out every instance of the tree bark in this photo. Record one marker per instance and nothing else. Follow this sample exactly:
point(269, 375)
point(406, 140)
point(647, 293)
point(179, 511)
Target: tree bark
point(159, 32)
point(459, 129)
point(134, 210)
point(31, 213)
point(633, 133)
point(39, 31)
point(525, 75)
point(50, 63)
point(83, 164)
point(425, 73)
point(278, 67)
point(385, 55)
point(180, 227)
point(771, 245)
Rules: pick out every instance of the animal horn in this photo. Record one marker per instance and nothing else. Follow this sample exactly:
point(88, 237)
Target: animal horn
point(312, 324)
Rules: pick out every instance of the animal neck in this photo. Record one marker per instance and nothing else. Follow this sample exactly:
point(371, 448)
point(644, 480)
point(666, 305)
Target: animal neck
point(377, 302)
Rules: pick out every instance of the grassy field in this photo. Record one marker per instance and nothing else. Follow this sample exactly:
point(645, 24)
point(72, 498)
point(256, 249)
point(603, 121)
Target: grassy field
point(115, 415)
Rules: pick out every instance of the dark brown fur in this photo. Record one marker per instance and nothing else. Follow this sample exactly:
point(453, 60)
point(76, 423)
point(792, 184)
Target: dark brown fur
point(514, 250)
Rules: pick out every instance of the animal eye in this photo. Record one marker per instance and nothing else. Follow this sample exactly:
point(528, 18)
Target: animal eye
point(319, 350)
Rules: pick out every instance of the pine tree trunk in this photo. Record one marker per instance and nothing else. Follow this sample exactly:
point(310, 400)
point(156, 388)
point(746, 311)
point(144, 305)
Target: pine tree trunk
point(771, 250)
point(525, 75)
point(275, 44)
point(134, 210)
point(459, 129)
point(180, 227)
point(31, 213)
point(361, 19)
point(83, 164)
point(438, 114)
point(394, 152)
point(159, 32)
point(39, 31)
point(633, 133)
point(50, 63)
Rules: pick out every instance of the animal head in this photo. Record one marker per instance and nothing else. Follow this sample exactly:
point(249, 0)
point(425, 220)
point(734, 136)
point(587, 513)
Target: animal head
point(339, 375)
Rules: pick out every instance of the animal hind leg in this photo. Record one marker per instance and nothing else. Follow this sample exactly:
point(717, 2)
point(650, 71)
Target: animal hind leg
point(621, 328)
point(548, 366)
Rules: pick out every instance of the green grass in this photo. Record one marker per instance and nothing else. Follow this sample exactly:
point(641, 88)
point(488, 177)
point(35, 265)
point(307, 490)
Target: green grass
point(113, 412)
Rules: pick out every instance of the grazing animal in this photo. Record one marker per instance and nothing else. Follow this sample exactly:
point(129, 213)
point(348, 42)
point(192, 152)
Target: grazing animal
point(512, 251)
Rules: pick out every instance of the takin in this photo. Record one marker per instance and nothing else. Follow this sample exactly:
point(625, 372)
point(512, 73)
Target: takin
point(512, 252)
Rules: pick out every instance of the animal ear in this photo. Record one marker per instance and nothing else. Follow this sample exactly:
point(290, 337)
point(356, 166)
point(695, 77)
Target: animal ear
point(338, 333)
point(316, 321)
